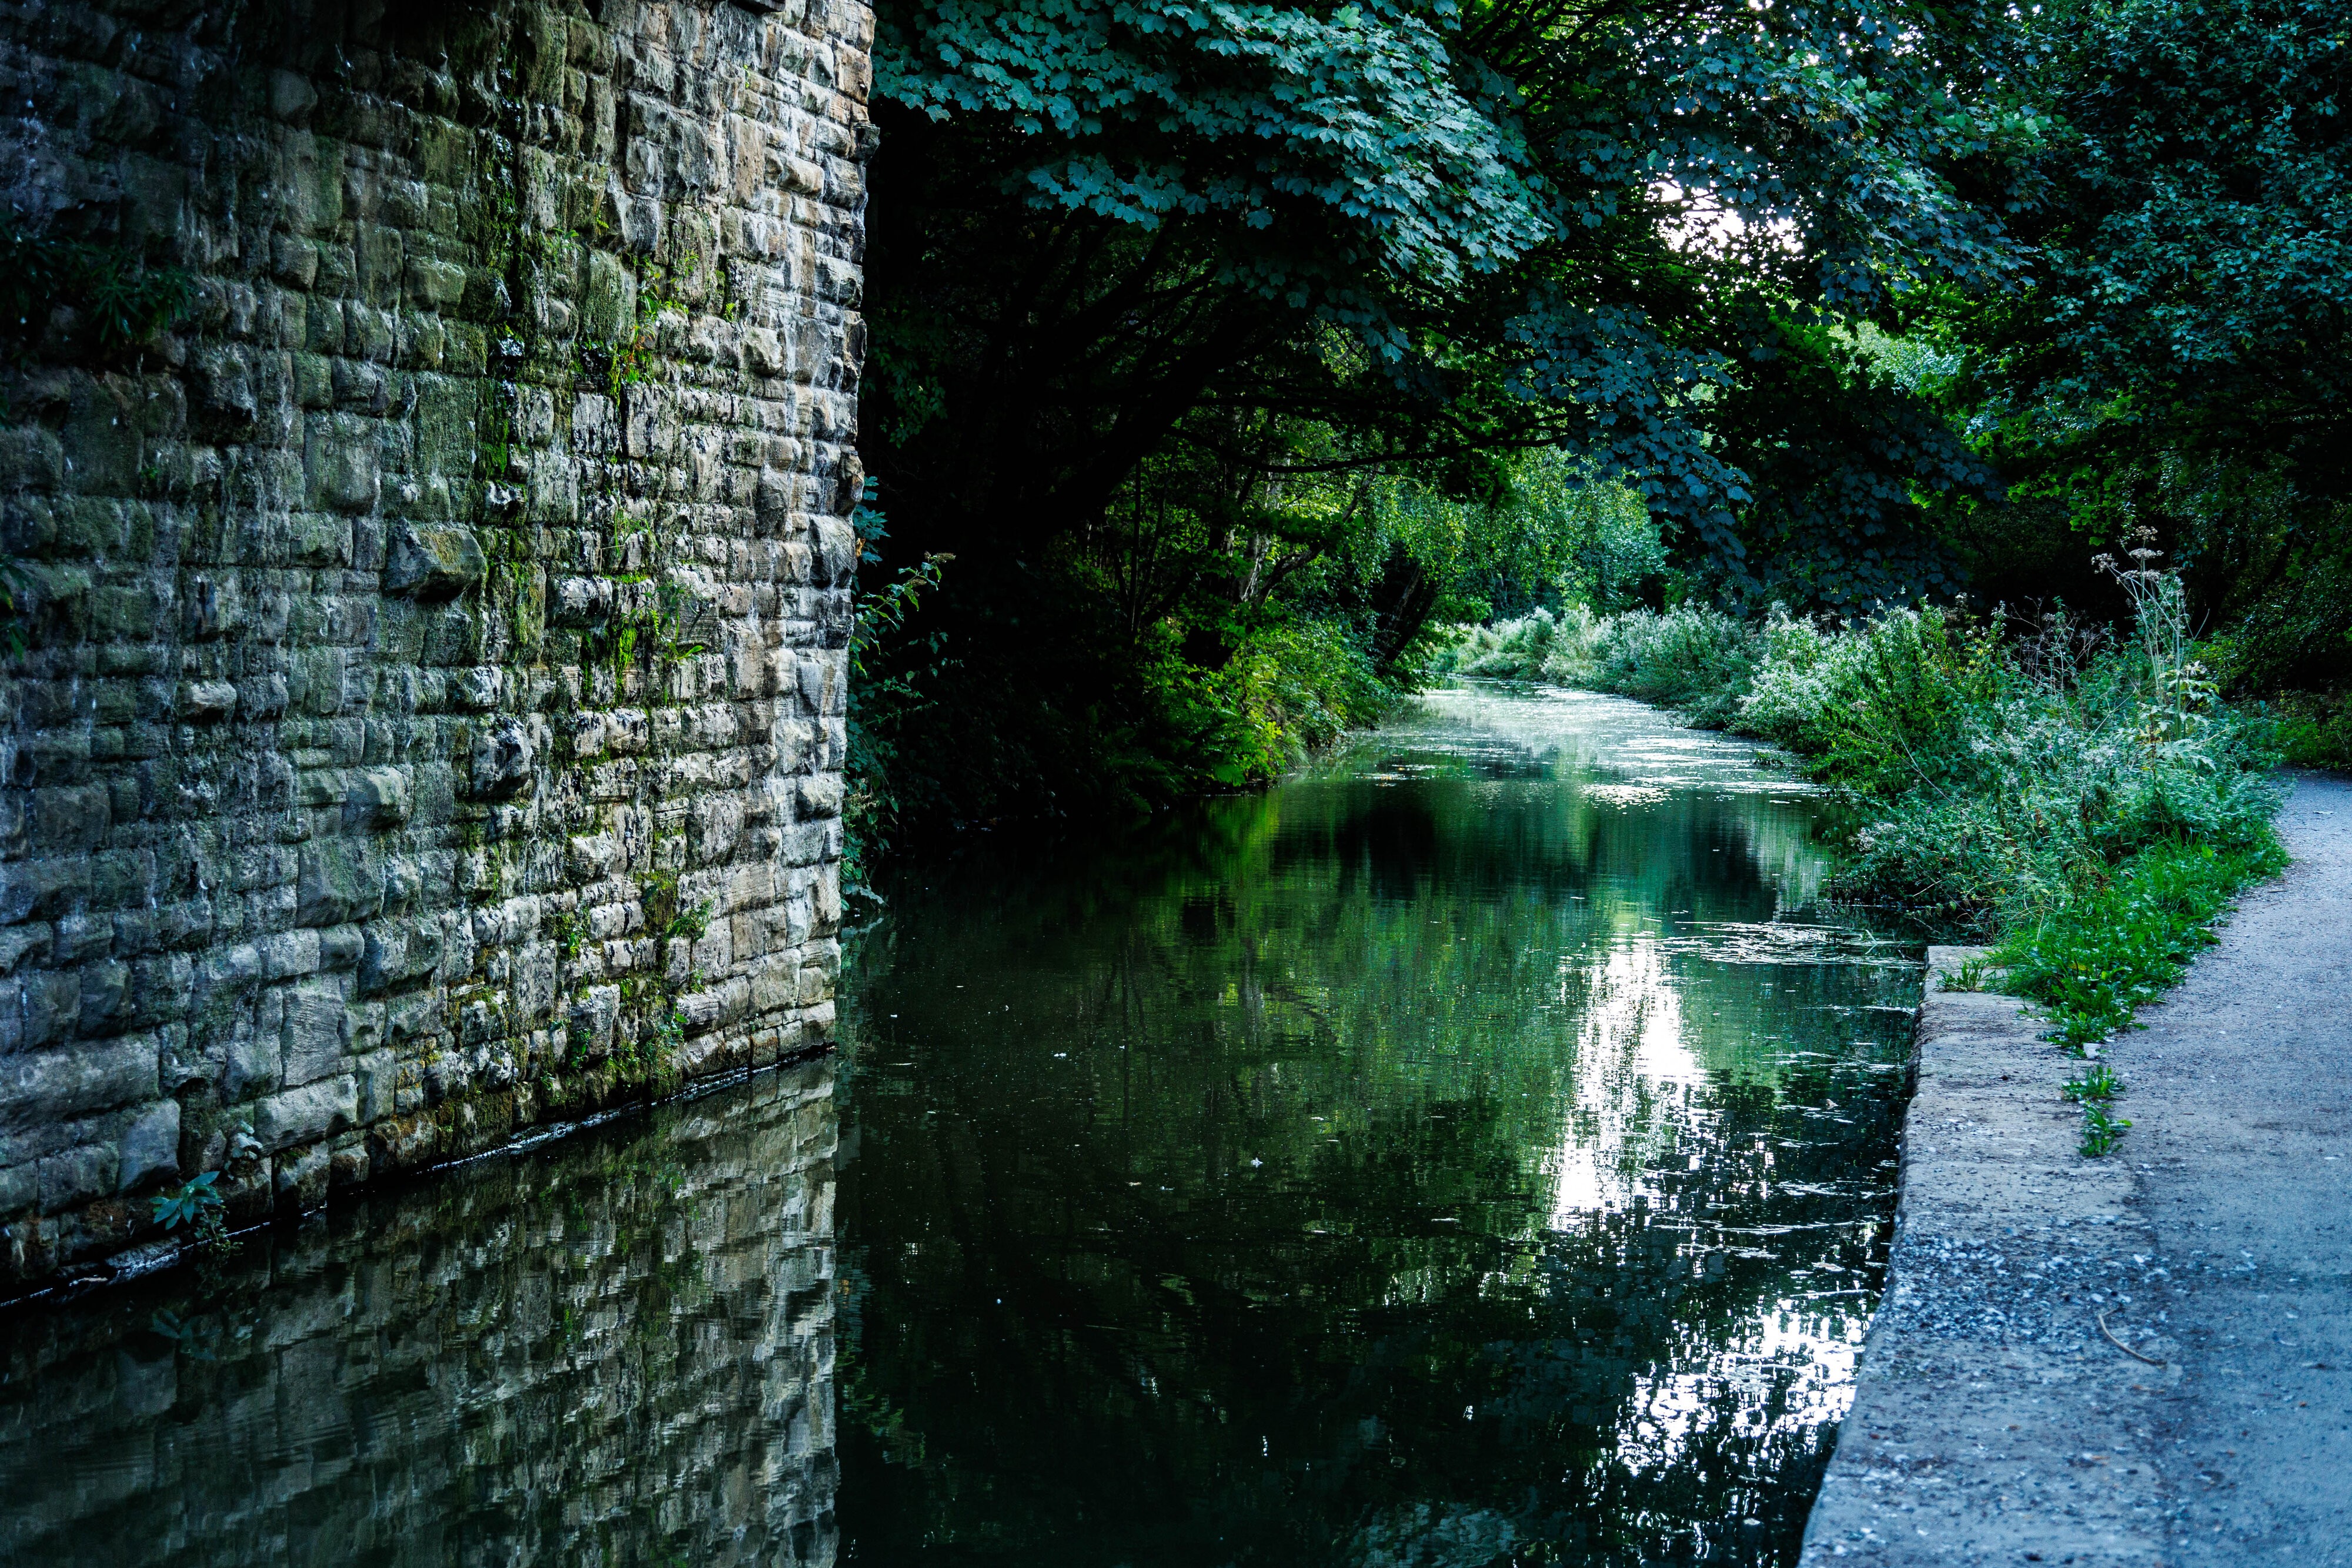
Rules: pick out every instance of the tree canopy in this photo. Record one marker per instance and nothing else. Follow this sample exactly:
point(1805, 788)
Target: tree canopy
point(1173, 302)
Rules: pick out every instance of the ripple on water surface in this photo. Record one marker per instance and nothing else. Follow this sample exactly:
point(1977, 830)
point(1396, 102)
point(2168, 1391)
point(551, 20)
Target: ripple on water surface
point(1472, 1152)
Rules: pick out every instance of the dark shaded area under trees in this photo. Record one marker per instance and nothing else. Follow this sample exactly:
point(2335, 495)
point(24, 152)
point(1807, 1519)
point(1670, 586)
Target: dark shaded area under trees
point(1232, 351)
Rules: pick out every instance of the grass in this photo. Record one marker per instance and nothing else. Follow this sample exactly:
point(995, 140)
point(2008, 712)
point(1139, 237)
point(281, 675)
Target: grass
point(2092, 960)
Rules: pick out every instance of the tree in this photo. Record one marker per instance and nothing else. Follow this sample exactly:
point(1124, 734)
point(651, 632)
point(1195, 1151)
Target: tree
point(1269, 242)
point(2180, 363)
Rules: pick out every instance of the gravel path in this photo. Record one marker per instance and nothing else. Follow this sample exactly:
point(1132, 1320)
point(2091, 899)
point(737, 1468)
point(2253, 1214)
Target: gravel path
point(1995, 1421)
point(2241, 1090)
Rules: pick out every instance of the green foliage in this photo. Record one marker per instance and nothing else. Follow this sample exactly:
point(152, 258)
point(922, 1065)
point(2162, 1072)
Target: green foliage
point(1196, 324)
point(1874, 706)
point(2316, 731)
point(1973, 975)
point(72, 302)
point(2193, 267)
point(569, 932)
point(113, 304)
point(2092, 955)
point(2098, 1083)
point(2101, 1128)
point(658, 896)
point(197, 1204)
point(2090, 800)
point(889, 675)
point(1698, 660)
point(2178, 368)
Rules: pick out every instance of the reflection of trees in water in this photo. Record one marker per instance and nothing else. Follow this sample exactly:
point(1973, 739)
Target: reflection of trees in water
point(613, 1348)
point(1273, 1262)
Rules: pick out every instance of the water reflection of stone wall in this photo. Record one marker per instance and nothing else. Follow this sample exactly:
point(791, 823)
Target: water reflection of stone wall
point(615, 1349)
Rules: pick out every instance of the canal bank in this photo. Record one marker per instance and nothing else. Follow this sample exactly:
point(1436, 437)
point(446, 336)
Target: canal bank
point(2139, 1359)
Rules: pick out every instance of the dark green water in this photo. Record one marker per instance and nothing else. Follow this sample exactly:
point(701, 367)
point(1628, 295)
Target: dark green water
point(1475, 1152)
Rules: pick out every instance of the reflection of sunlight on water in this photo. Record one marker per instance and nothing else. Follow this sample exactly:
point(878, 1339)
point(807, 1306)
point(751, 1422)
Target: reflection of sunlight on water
point(1625, 794)
point(1789, 1365)
point(1630, 1040)
point(1471, 1126)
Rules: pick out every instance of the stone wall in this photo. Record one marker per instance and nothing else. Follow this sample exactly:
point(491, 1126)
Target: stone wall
point(431, 716)
point(615, 1349)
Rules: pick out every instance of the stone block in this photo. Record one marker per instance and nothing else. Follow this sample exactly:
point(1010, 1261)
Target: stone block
point(162, 991)
point(377, 797)
point(48, 1005)
point(77, 1175)
point(313, 1032)
point(251, 1059)
point(67, 817)
point(341, 948)
point(205, 702)
point(44, 1087)
point(436, 284)
point(432, 562)
point(504, 758)
point(396, 951)
point(289, 954)
point(342, 881)
point(104, 985)
point(150, 1148)
point(340, 464)
point(298, 1177)
point(306, 1115)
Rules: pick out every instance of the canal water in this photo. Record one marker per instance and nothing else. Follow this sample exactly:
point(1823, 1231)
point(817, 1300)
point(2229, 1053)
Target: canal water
point(1475, 1151)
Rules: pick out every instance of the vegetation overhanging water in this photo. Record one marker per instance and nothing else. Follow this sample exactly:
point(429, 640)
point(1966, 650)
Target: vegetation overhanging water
point(1475, 1151)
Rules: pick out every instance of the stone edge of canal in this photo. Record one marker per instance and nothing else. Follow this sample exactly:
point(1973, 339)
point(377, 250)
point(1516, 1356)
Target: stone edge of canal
point(1992, 1420)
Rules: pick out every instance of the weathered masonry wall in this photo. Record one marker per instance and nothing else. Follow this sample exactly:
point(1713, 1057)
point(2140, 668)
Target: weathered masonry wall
point(431, 716)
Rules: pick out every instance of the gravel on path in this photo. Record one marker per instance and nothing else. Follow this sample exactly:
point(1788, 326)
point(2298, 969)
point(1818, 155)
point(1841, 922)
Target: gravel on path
point(2144, 1360)
point(2241, 1094)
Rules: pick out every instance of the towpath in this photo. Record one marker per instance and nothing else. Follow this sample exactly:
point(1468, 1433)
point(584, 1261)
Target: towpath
point(1999, 1416)
point(2241, 1089)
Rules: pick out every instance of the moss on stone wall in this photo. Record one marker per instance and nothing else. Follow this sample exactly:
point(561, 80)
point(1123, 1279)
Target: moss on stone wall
point(444, 603)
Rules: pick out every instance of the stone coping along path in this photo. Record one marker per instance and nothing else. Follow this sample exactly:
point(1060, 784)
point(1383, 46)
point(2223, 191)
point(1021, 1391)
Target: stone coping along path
point(2209, 1420)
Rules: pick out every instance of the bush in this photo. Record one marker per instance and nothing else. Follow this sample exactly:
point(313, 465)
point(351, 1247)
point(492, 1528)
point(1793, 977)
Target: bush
point(1880, 706)
point(1287, 690)
point(1698, 660)
point(2316, 731)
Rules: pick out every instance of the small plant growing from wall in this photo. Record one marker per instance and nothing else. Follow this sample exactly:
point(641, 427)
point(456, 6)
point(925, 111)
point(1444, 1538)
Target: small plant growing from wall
point(118, 304)
point(197, 1204)
point(568, 932)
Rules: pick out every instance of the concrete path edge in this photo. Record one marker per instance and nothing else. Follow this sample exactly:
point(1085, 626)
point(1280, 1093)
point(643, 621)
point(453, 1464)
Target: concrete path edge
point(1994, 1421)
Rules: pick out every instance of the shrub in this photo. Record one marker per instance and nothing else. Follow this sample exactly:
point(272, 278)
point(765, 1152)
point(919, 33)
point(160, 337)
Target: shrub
point(1883, 706)
point(1287, 690)
point(1697, 660)
point(2316, 731)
